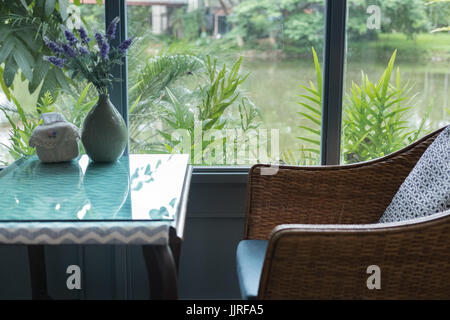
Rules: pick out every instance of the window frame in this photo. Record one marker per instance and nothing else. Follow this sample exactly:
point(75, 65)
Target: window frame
point(332, 74)
point(119, 90)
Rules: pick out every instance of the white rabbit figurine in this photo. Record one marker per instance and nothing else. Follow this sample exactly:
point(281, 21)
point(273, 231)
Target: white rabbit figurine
point(56, 140)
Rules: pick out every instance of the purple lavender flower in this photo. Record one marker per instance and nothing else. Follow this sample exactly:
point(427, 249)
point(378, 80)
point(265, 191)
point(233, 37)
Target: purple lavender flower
point(111, 32)
point(68, 50)
point(99, 38)
point(83, 35)
point(56, 48)
point(83, 51)
point(58, 62)
point(70, 37)
point(104, 50)
point(123, 47)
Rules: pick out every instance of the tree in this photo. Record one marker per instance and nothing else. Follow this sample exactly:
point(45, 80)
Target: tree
point(440, 15)
point(294, 21)
point(407, 16)
point(301, 22)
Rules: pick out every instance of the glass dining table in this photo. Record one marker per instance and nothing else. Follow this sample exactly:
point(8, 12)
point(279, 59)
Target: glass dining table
point(138, 200)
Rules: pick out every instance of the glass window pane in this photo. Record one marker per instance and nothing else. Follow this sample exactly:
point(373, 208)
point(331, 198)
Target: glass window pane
point(397, 75)
point(50, 88)
point(180, 100)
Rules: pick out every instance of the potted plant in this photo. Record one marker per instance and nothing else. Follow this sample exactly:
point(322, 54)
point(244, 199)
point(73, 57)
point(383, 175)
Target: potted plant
point(104, 133)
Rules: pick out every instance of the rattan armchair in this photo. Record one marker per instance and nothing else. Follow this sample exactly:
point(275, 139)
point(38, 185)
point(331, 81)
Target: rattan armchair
point(322, 232)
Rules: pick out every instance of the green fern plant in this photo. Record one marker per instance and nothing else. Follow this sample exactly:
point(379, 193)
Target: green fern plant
point(177, 90)
point(219, 93)
point(311, 112)
point(148, 96)
point(375, 121)
point(248, 115)
point(305, 158)
point(375, 117)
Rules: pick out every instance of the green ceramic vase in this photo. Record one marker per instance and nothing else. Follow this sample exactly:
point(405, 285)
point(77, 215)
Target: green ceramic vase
point(104, 134)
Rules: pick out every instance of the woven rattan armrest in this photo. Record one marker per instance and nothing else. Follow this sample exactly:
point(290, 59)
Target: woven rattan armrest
point(347, 194)
point(331, 261)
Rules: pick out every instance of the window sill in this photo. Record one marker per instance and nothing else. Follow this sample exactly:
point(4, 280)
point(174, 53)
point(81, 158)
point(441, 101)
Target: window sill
point(204, 174)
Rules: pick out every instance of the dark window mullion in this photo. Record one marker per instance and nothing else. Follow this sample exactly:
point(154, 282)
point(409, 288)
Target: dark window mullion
point(119, 90)
point(333, 79)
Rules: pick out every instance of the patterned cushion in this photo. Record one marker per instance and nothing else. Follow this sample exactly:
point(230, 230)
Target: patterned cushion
point(426, 190)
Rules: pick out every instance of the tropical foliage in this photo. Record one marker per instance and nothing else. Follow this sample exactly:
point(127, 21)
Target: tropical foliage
point(311, 111)
point(190, 93)
point(23, 25)
point(376, 116)
point(375, 121)
point(22, 130)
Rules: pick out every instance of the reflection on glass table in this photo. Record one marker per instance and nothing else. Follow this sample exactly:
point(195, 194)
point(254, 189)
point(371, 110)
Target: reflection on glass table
point(139, 187)
point(138, 200)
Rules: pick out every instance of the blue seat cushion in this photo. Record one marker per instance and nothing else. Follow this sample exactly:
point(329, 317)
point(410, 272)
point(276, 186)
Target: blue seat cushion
point(250, 259)
point(426, 190)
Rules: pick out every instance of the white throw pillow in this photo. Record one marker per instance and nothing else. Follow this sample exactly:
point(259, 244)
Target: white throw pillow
point(426, 190)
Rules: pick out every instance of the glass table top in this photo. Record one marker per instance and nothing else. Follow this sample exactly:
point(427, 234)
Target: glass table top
point(137, 187)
